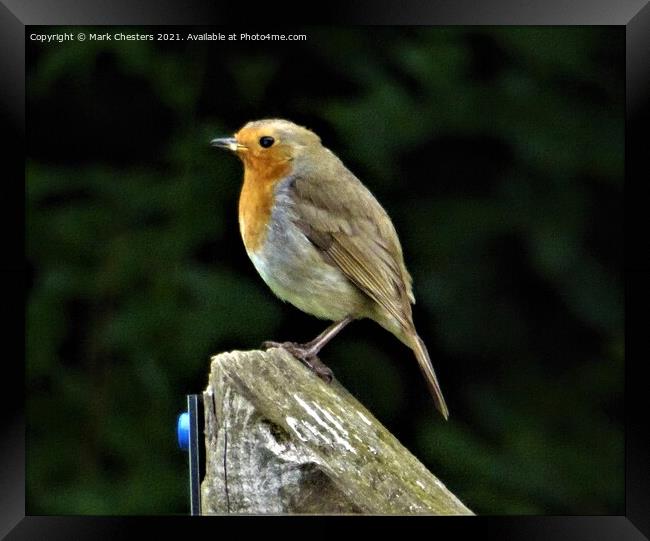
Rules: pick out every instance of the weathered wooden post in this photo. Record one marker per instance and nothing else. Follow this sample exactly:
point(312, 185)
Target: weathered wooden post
point(280, 440)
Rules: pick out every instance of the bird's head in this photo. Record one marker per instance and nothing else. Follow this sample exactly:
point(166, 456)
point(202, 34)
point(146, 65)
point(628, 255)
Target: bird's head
point(269, 143)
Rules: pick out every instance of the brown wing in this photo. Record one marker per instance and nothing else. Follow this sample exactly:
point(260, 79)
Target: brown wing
point(342, 218)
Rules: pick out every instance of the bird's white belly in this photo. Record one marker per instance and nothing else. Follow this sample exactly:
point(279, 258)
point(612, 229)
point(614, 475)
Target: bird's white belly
point(296, 272)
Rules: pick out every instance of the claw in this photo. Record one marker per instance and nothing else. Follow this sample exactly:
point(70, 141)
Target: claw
point(320, 369)
point(304, 355)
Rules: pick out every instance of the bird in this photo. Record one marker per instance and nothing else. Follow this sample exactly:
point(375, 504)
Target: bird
point(321, 241)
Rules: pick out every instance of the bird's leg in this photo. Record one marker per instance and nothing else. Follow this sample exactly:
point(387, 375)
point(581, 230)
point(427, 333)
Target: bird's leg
point(315, 345)
point(308, 352)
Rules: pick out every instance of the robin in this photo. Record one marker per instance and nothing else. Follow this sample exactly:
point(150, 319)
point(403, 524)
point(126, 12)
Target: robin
point(321, 241)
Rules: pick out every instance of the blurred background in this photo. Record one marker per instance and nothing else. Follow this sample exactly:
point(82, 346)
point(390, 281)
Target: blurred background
point(499, 154)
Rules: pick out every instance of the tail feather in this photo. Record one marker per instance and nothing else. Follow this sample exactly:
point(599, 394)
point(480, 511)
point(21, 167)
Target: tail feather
point(422, 355)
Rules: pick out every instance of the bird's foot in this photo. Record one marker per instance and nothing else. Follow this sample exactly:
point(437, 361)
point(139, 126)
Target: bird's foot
point(306, 355)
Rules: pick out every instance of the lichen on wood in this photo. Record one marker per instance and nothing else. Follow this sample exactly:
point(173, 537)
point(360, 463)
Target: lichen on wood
point(280, 440)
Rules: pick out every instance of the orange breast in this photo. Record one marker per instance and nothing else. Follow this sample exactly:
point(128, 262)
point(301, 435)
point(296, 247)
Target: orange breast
point(256, 201)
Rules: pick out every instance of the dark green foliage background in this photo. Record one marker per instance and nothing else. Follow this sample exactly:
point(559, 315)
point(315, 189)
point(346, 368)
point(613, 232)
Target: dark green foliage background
point(497, 151)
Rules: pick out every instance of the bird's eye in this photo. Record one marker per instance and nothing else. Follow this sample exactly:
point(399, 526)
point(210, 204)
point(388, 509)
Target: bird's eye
point(266, 141)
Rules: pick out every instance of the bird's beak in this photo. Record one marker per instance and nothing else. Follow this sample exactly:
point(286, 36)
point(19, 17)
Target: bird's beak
point(229, 143)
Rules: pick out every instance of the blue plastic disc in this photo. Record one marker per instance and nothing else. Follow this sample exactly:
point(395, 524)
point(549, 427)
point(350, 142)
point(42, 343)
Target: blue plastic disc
point(183, 431)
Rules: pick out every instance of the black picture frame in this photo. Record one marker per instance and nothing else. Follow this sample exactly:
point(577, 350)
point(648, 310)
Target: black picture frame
point(634, 15)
